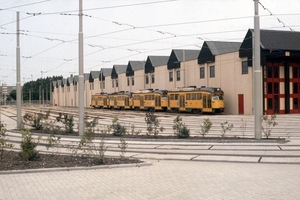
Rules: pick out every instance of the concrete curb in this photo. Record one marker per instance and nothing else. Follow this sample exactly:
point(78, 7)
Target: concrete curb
point(74, 168)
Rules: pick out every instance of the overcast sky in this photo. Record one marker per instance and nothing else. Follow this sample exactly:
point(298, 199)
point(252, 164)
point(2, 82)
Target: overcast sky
point(116, 31)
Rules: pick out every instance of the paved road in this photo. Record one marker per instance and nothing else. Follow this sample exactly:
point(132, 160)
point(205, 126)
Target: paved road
point(173, 175)
point(162, 180)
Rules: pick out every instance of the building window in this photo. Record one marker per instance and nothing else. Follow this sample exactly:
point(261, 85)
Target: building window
point(212, 71)
point(113, 83)
point(178, 75)
point(244, 67)
point(128, 83)
point(152, 78)
point(117, 83)
point(102, 85)
point(147, 79)
point(132, 81)
point(75, 88)
point(171, 76)
point(295, 72)
point(202, 70)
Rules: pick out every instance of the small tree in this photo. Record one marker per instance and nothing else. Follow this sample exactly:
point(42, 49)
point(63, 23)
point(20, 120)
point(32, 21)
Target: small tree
point(3, 141)
point(268, 124)
point(116, 128)
point(68, 121)
point(205, 127)
point(28, 146)
point(225, 127)
point(52, 141)
point(180, 129)
point(153, 124)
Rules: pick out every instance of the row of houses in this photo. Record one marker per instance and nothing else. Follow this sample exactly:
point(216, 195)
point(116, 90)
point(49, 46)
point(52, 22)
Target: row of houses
point(217, 64)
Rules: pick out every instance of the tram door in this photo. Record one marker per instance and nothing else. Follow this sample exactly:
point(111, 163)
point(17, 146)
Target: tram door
point(207, 103)
point(157, 101)
point(182, 102)
point(126, 101)
point(141, 102)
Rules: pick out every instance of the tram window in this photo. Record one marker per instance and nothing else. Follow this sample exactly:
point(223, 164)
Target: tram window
point(152, 97)
point(270, 104)
point(295, 72)
point(188, 96)
point(176, 96)
point(270, 88)
point(199, 96)
point(295, 88)
point(172, 96)
point(221, 97)
point(295, 103)
point(215, 98)
point(193, 96)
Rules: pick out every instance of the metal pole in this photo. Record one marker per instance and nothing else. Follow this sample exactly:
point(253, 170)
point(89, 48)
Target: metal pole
point(18, 84)
point(50, 92)
point(184, 84)
point(80, 77)
point(257, 75)
point(101, 73)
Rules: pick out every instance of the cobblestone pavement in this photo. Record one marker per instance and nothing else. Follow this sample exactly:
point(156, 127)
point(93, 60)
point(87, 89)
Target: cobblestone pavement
point(178, 177)
point(162, 180)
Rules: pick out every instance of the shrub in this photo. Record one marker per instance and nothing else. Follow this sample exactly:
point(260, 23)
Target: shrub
point(52, 141)
point(28, 146)
point(36, 119)
point(225, 127)
point(180, 129)
point(68, 121)
point(3, 141)
point(116, 128)
point(268, 124)
point(153, 124)
point(133, 131)
point(205, 127)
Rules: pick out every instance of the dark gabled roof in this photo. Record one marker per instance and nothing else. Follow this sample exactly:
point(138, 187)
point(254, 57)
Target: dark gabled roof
point(118, 69)
point(104, 72)
point(93, 75)
point(181, 55)
point(283, 40)
point(69, 80)
point(63, 82)
point(155, 61)
point(75, 80)
point(273, 44)
point(134, 66)
point(86, 76)
point(58, 83)
point(212, 48)
point(54, 83)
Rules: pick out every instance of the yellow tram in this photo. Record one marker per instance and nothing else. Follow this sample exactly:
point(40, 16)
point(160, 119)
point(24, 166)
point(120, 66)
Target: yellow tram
point(150, 100)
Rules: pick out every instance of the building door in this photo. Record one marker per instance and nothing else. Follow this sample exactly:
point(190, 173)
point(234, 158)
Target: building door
point(241, 104)
point(274, 94)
